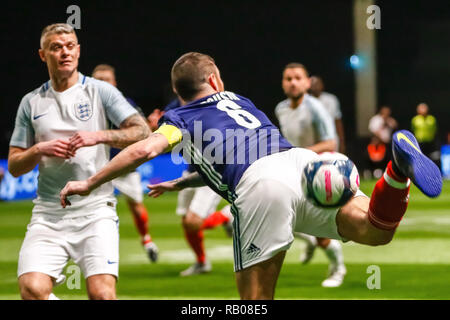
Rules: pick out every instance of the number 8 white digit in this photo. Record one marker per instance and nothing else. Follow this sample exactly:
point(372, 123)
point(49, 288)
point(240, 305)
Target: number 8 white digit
point(242, 117)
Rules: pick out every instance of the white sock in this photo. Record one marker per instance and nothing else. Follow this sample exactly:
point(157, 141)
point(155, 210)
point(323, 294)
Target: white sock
point(53, 297)
point(311, 240)
point(334, 253)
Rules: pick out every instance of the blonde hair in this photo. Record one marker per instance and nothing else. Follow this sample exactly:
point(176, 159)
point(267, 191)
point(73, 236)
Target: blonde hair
point(56, 28)
point(104, 67)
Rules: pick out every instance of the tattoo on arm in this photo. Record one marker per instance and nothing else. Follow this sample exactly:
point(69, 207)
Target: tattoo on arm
point(132, 129)
point(190, 181)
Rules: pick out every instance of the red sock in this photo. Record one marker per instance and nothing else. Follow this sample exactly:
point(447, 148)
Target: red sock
point(215, 219)
point(195, 240)
point(389, 200)
point(141, 222)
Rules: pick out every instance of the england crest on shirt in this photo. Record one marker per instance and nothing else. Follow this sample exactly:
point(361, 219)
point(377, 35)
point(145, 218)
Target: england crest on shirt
point(83, 110)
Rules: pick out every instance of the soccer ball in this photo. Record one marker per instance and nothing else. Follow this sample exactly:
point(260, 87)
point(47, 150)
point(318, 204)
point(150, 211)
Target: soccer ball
point(330, 180)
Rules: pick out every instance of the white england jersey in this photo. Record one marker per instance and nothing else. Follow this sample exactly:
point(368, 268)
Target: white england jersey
point(44, 114)
point(331, 104)
point(307, 124)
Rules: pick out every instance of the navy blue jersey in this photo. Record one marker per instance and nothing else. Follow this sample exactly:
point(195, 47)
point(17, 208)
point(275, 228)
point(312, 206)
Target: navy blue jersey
point(223, 134)
point(175, 103)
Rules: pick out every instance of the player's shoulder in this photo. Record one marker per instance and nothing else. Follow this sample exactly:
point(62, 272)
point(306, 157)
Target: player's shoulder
point(96, 83)
point(37, 92)
point(282, 105)
point(328, 95)
point(314, 104)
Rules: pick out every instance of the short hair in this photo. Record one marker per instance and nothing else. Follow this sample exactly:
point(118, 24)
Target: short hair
point(294, 65)
point(56, 28)
point(190, 72)
point(104, 67)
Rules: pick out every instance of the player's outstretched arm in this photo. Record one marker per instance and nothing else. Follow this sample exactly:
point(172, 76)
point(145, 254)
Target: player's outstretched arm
point(132, 129)
point(192, 180)
point(126, 161)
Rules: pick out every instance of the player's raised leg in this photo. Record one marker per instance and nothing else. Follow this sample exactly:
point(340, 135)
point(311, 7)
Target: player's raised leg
point(374, 221)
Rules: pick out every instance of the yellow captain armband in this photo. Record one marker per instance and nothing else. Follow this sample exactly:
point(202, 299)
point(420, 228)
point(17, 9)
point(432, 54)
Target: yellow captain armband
point(172, 134)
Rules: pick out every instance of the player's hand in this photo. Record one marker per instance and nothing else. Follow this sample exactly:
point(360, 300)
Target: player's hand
point(59, 148)
point(73, 187)
point(153, 118)
point(83, 139)
point(160, 188)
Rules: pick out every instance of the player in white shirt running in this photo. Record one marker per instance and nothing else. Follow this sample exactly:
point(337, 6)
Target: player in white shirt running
point(130, 184)
point(62, 126)
point(332, 105)
point(305, 123)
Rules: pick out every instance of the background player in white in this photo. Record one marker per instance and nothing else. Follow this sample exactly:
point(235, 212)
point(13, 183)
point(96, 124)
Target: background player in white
point(53, 122)
point(197, 208)
point(130, 184)
point(269, 204)
point(305, 123)
point(332, 105)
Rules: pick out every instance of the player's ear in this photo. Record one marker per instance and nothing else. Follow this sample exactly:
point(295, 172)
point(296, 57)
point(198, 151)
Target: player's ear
point(42, 55)
point(212, 80)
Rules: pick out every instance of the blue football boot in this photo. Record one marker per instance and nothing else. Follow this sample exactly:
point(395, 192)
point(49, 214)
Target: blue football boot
point(412, 163)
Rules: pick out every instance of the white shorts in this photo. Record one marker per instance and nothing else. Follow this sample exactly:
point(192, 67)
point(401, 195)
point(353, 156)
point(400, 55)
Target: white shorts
point(130, 186)
point(91, 241)
point(202, 201)
point(270, 206)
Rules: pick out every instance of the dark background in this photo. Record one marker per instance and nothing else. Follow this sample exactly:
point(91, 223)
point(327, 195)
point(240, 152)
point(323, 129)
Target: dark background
point(250, 41)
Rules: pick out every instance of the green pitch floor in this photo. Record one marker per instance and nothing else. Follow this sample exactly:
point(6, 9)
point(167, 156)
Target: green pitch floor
point(414, 266)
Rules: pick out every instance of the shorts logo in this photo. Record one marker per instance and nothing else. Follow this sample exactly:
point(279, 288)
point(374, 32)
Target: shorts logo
point(83, 110)
point(252, 250)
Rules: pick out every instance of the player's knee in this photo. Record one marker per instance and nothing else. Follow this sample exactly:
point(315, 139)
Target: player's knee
point(192, 222)
point(102, 294)
point(33, 289)
point(381, 239)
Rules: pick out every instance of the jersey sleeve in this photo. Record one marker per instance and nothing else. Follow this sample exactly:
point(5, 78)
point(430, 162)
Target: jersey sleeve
point(323, 123)
point(116, 105)
point(337, 111)
point(171, 117)
point(23, 134)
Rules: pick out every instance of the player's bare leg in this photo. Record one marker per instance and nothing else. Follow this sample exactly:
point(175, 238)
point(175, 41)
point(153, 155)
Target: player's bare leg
point(35, 286)
point(140, 217)
point(374, 221)
point(258, 282)
point(101, 287)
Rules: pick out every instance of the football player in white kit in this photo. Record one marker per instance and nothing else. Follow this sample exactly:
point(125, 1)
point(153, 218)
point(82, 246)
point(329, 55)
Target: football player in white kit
point(53, 123)
point(268, 203)
point(332, 105)
point(130, 184)
point(305, 123)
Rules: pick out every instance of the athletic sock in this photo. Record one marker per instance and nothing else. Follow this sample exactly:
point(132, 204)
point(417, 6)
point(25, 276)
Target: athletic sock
point(141, 222)
point(195, 240)
point(334, 253)
point(215, 219)
point(389, 199)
